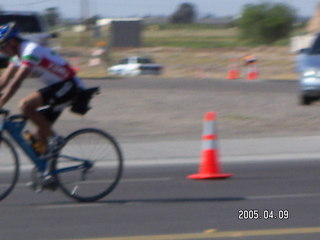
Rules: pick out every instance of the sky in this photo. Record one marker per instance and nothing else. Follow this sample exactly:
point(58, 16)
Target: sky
point(141, 8)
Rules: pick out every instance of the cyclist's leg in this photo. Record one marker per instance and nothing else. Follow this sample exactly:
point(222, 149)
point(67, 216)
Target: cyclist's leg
point(54, 96)
point(29, 106)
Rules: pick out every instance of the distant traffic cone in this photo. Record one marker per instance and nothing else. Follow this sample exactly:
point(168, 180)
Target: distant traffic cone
point(233, 70)
point(209, 166)
point(252, 72)
point(233, 74)
point(75, 64)
point(75, 68)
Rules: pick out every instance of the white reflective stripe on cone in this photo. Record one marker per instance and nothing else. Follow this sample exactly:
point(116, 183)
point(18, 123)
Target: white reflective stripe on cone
point(209, 127)
point(209, 144)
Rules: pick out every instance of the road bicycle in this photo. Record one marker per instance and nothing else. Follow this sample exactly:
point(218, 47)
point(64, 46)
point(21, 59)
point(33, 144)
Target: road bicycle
point(87, 166)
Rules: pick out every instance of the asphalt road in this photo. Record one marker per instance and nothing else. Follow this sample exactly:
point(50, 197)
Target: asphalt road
point(160, 200)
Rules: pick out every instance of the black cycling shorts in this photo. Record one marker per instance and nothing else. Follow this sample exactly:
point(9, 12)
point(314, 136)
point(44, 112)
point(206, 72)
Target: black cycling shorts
point(57, 97)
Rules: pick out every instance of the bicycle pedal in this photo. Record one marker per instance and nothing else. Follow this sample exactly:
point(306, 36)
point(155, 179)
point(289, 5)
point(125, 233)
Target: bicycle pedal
point(49, 183)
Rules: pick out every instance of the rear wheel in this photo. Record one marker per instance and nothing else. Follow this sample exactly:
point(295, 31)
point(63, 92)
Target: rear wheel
point(92, 163)
point(305, 100)
point(9, 166)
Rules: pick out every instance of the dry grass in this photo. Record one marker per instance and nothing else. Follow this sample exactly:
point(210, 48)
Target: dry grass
point(273, 62)
point(184, 62)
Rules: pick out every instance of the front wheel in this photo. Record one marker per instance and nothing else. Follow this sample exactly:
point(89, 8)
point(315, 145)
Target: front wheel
point(89, 165)
point(9, 167)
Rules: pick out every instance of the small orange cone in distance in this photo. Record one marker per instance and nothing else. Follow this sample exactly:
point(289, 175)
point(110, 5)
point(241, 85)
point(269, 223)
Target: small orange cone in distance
point(76, 69)
point(209, 166)
point(233, 72)
point(253, 74)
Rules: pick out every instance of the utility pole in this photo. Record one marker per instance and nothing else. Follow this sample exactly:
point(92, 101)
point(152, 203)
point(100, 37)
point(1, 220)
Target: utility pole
point(84, 13)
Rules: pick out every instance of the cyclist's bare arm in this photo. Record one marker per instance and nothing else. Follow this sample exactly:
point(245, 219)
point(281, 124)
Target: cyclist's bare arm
point(13, 84)
point(7, 75)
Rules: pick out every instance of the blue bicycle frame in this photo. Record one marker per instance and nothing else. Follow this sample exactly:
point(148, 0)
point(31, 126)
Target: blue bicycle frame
point(14, 126)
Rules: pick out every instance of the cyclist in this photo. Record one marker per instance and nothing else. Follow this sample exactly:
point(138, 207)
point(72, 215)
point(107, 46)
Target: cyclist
point(61, 84)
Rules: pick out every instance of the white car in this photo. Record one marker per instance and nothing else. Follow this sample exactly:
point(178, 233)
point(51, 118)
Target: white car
point(133, 66)
point(308, 64)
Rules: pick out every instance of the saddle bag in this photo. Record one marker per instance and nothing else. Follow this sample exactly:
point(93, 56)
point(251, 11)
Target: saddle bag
point(80, 103)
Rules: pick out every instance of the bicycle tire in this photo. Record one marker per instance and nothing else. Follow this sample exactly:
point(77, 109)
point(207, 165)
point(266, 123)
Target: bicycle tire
point(9, 165)
point(101, 148)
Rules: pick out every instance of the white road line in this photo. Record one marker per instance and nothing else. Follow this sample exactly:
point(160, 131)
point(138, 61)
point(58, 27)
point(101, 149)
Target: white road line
point(284, 196)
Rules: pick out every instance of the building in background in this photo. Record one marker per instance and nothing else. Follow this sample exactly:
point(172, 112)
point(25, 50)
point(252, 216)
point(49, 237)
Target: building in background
point(123, 32)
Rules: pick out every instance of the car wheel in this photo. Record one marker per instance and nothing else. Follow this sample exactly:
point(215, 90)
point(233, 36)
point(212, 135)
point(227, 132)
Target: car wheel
point(305, 100)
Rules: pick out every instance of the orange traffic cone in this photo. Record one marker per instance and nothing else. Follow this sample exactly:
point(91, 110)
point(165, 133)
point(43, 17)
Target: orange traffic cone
point(233, 71)
point(252, 72)
point(75, 68)
point(233, 74)
point(209, 166)
point(75, 64)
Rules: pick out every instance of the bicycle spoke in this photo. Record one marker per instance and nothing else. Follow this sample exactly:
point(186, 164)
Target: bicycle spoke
point(100, 169)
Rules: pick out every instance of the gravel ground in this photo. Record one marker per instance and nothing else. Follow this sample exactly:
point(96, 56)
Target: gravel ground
point(156, 109)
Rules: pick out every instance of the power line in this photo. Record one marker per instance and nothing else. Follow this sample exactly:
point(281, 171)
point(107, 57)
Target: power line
point(31, 3)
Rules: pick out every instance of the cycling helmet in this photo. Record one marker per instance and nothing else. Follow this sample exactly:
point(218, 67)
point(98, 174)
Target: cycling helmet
point(8, 31)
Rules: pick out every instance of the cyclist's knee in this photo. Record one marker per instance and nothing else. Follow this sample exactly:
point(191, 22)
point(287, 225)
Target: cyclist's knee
point(28, 105)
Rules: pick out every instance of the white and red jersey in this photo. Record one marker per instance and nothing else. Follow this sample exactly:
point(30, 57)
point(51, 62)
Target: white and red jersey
point(45, 64)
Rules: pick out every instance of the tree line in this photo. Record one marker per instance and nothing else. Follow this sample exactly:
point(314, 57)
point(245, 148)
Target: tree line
point(263, 23)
